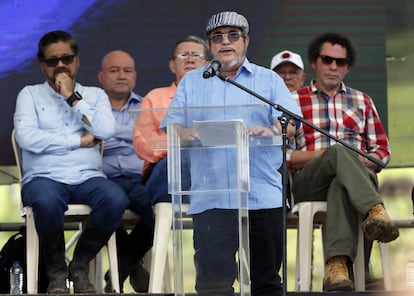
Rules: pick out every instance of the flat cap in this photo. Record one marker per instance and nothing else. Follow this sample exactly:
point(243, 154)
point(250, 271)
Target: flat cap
point(228, 18)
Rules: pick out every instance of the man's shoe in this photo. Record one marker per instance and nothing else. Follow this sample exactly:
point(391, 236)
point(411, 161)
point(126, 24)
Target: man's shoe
point(79, 275)
point(57, 286)
point(108, 284)
point(337, 276)
point(379, 226)
point(139, 278)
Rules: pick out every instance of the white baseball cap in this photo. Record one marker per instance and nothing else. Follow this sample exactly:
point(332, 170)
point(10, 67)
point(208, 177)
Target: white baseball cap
point(286, 56)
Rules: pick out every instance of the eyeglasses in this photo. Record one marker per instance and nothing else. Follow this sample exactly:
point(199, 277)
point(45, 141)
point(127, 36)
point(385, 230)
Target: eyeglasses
point(288, 72)
point(231, 36)
point(52, 62)
point(186, 55)
point(327, 60)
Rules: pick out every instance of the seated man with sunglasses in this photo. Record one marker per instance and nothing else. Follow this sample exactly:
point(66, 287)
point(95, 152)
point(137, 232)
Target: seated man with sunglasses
point(327, 171)
point(59, 125)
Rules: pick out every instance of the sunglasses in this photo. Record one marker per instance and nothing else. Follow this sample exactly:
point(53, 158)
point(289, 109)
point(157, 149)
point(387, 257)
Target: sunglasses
point(327, 60)
point(52, 62)
point(231, 36)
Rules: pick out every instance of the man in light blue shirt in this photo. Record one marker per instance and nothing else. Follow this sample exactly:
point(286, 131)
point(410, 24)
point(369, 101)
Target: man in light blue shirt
point(215, 218)
point(122, 165)
point(59, 125)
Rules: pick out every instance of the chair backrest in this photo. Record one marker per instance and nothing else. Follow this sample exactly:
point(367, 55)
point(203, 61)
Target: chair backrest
point(17, 154)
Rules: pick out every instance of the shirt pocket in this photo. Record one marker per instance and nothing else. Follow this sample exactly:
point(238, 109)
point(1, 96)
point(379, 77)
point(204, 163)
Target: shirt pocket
point(353, 120)
point(51, 117)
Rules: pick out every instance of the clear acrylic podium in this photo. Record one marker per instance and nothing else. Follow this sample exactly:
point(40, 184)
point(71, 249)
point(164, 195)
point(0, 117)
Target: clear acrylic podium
point(209, 171)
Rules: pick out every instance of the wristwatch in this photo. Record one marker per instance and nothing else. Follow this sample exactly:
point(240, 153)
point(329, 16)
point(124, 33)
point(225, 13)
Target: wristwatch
point(73, 97)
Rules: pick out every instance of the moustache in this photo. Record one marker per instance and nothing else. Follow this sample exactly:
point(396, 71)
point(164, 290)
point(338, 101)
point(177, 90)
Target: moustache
point(224, 48)
point(61, 70)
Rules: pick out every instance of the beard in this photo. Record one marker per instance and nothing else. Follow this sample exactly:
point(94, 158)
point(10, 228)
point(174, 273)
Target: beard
point(230, 65)
point(235, 63)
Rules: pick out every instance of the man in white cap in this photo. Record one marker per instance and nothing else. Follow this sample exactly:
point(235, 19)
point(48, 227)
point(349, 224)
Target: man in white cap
point(289, 66)
point(215, 215)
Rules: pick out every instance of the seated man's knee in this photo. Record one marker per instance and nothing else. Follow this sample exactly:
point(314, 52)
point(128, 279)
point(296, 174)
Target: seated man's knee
point(339, 150)
point(116, 197)
point(44, 195)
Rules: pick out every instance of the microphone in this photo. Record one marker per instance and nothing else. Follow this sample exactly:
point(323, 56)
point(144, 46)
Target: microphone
point(212, 69)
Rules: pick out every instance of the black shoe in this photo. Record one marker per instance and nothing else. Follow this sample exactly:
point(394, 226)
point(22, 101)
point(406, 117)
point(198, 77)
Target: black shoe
point(108, 285)
point(79, 275)
point(58, 286)
point(139, 278)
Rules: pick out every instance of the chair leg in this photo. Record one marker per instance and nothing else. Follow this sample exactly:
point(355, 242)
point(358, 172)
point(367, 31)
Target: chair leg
point(162, 232)
point(113, 263)
point(167, 277)
point(32, 253)
point(359, 264)
point(385, 263)
point(95, 272)
point(307, 211)
point(304, 244)
point(167, 273)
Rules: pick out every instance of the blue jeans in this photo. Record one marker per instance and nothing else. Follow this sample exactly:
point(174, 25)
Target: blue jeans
point(49, 200)
point(157, 184)
point(216, 244)
point(139, 199)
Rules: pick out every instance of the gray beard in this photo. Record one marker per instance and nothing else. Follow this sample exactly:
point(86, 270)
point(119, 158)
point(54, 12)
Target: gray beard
point(232, 64)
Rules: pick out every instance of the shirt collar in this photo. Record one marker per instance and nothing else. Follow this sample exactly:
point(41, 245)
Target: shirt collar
point(132, 102)
point(246, 66)
point(314, 89)
point(134, 97)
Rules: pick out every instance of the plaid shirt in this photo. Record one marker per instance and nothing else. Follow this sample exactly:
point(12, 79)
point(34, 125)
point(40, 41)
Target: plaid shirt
point(350, 115)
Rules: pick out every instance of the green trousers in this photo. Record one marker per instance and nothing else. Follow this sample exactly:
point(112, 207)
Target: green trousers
point(350, 189)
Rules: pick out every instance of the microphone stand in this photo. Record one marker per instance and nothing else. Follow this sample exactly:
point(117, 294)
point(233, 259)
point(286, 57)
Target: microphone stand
point(284, 120)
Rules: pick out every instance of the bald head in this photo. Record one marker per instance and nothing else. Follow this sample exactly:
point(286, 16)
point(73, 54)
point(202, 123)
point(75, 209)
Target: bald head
point(118, 76)
point(117, 56)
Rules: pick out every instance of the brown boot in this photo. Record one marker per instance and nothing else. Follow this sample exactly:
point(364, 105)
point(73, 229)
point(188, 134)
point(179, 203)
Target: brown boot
point(379, 226)
point(337, 276)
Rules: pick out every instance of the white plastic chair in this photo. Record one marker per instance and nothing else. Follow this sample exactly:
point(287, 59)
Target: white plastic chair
point(306, 212)
point(160, 280)
point(384, 253)
point(160, 276)
point(75, 212)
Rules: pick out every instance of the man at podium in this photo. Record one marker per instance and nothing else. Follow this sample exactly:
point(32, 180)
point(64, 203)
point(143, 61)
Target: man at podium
point(215, 216)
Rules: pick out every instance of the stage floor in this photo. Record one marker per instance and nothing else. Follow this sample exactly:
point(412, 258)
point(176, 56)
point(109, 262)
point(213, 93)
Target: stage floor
point(367, 293)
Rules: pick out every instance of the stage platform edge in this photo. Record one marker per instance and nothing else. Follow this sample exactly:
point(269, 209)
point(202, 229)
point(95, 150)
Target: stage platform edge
point(366, 293)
